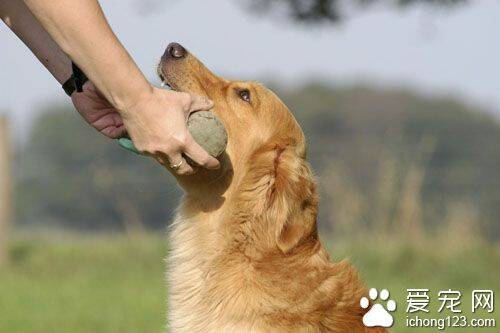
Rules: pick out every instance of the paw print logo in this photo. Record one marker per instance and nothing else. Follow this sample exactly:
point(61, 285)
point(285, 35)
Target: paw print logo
point(378, 315)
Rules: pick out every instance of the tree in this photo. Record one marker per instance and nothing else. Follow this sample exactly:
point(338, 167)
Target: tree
point(70, 176)
point(333, 11)
point(314, 12)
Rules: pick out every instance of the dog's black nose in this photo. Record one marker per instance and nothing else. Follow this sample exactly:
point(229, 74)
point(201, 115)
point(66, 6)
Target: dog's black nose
point(175, 50)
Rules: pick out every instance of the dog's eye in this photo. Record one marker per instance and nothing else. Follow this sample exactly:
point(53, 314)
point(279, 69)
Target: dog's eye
point(244, 95)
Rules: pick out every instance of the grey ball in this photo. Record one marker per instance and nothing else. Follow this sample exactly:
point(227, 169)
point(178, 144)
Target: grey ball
point(208, 131)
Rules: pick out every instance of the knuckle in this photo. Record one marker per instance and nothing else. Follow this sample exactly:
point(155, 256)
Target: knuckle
point(208, 102)
point(185, 99)
point(153, 150)
point(181, 140)
point(156, 151)
point(185, 172)
point(166, 151)
point(204, 161)
point(144, 148)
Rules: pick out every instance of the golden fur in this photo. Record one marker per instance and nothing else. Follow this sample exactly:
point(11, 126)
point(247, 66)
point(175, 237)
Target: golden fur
point(245, 254)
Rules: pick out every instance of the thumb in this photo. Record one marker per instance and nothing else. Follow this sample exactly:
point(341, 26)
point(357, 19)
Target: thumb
point(196, 153)
point(200, 103)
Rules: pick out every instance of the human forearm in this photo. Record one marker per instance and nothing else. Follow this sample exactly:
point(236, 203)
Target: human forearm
point(81, 30)
point(155, 119)
point(19, 19)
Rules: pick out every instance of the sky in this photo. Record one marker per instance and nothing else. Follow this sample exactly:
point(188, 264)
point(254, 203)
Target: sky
point(433, 51)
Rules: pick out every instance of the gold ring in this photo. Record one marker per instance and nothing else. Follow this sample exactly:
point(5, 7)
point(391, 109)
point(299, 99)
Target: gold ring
point(177, 166)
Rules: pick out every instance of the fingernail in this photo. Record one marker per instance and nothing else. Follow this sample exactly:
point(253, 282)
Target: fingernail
point(215, 167)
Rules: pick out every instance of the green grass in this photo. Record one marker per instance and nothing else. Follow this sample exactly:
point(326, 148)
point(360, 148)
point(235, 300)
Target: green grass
point(84, 284)
point(435, 265)
point(98, 284)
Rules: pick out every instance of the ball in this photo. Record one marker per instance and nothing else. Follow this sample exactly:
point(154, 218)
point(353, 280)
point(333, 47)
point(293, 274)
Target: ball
point(208, 131)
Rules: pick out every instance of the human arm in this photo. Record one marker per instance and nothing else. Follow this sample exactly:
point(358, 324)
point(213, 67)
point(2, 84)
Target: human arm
point(92, 106)
point(21, 21)
point(155, 119)
point(82, 32)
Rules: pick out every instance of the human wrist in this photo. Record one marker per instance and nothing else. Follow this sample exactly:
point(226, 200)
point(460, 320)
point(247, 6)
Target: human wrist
point(58, 64)
point(128, 104)
point(75, 82)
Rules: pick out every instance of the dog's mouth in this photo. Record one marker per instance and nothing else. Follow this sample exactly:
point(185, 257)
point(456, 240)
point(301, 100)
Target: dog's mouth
point(165, 83)
point(163, 80)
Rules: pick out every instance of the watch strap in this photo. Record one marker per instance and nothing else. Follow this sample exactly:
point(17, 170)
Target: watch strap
point(76, 80)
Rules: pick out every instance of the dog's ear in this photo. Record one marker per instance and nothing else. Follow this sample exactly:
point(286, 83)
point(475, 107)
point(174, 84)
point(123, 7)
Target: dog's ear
point(282, 189)
point(292, 199)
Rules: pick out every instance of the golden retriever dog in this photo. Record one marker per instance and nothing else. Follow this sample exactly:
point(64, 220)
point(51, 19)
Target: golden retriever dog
point(245, 254)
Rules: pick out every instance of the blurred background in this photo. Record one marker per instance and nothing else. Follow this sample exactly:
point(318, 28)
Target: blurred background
point(400, 102)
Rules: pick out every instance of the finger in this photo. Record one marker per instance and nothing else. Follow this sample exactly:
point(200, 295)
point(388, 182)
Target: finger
point(195, 152)
point(88, 85)
point(160, 159)
point(108, 118)
point(91, 87)
point(179, 165)
point(95, 94)
point(113, 132)
point(120, 132)
point(200, 103)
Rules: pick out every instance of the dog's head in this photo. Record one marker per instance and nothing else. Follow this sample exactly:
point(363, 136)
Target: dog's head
point(264, 165)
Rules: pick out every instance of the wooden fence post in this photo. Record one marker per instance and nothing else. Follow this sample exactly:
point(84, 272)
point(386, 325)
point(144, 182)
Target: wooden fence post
point(5, 187)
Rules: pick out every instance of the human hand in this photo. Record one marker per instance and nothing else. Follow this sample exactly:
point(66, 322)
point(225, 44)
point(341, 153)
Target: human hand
point(98, 112)
point(157, 125)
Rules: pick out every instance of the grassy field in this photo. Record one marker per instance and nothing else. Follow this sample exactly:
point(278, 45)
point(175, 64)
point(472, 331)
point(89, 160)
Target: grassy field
point(93, 284)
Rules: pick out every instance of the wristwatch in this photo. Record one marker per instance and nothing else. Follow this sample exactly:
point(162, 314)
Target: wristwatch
point(76, 80)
